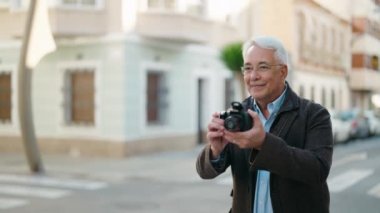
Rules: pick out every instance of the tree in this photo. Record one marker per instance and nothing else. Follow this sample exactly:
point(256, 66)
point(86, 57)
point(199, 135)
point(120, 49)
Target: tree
point(232, 57)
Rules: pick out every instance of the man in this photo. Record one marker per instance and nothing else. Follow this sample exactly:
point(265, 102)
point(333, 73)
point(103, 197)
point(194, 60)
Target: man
point(281, 164)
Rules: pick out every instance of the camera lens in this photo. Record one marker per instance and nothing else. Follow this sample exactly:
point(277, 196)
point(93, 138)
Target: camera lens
point(232, 124)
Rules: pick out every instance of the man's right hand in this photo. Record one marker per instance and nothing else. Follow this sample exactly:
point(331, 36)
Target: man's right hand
point(215, 135)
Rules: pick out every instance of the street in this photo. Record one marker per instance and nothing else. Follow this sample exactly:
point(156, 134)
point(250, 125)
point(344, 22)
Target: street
point(167, 182)
point(354, 180)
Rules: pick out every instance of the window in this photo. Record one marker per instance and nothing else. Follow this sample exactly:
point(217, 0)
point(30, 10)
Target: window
point(334, 41)
point(302, 92)
point(314, 33)
point(323, 97)
point(196, 8)
point(342, 45)
point(301, 32)
point(157, 98)
point(340, 98)
point(162, 4)
point(4, 3)
point(229, 92)
point(81, 3)
point(358, 60)
point(365, 61)
point(325, 43)
point(80, 97)
point(14, 4)
point(333, 99)
point(5, 97)
point(312, 96)
point(375, 62)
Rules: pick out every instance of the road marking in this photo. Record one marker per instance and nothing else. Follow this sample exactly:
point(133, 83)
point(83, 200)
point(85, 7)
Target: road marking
point(32, 191)
point(347, 179)
point(375, 191)
point(350, 158)
point(8, 203)
point(53, 182)
point(41, 187)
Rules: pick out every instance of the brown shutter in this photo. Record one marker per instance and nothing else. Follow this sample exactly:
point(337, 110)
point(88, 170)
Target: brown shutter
point(153, 98)
point(5, 97)
point(82, 97)
point(358, 60)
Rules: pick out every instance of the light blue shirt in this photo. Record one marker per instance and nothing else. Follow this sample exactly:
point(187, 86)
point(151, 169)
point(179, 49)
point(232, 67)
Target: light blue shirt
point(262, 202)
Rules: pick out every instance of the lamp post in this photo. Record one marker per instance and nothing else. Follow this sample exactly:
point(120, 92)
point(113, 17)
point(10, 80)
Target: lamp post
point(37, 42)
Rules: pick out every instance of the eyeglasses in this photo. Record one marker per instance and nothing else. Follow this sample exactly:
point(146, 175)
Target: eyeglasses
point(261, 68)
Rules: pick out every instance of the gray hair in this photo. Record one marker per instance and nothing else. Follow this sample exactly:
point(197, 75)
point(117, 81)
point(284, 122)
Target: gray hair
point(268, 42)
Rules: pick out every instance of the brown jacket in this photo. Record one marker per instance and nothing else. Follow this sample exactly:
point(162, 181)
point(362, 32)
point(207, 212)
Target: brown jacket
point(297, 152)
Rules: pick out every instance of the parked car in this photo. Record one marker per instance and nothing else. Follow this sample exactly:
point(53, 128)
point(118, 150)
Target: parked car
point(341, 129)
point(374, 122)
point(360, 127)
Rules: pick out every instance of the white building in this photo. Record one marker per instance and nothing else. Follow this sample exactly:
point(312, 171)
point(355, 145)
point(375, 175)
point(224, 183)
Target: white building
point(127, 76)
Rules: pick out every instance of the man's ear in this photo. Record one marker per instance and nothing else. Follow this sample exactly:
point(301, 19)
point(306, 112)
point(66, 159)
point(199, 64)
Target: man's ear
point(284, 71)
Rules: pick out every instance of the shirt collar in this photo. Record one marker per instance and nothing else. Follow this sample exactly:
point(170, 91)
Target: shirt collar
point(273, 106)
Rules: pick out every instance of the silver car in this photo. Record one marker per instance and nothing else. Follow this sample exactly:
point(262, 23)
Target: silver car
point(374, 122)
point(359, 123)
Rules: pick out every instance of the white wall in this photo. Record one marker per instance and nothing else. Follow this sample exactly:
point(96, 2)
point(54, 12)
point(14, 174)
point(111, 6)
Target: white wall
point(329, 82)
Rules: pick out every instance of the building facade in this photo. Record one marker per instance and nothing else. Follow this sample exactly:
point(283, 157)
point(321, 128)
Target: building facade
point(365, 73)
point(127, 77)
point(134, 76)
point(318, 41)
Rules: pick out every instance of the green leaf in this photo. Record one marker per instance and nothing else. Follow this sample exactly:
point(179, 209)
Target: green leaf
point(232, 57)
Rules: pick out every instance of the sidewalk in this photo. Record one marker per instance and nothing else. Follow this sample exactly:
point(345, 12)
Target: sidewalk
point(168, 166)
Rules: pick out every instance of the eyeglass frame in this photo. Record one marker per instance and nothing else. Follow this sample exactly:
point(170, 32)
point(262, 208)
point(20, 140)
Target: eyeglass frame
point(257, 68)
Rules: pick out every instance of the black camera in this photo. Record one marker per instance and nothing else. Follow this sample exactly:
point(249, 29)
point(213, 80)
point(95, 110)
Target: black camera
point(236, 119)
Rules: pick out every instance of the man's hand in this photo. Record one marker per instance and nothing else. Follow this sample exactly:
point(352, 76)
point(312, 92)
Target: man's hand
point(215, 135)
point(253, 138)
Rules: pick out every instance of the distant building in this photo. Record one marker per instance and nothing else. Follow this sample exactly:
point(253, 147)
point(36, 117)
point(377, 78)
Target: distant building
point(365, 76)
point(318, 41)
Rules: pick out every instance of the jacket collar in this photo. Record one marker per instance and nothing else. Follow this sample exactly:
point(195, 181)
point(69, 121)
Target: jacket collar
point(291, 102)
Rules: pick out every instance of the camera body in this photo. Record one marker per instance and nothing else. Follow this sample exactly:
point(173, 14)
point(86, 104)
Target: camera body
point(236, 119)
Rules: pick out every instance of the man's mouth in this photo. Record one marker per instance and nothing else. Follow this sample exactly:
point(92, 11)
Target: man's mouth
point(257, 85)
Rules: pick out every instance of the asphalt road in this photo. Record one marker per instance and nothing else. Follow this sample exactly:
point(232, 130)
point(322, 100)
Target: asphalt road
point(354, 179)
point(354, 184)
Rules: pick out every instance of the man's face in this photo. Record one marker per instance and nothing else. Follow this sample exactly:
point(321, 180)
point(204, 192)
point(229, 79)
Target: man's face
point(265, 82)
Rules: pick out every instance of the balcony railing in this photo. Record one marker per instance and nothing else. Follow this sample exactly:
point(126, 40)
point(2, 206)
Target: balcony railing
point(184, 27)
point(365, 79)
point(364, 25)
point(64, 22)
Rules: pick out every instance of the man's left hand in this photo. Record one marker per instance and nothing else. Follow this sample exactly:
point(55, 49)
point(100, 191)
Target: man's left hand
point(252, 138)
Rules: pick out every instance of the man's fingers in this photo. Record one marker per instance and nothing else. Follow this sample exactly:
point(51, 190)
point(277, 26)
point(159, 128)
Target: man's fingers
point(231, 136)
point(214, 126)
point(214, 135)
point(215, 115)
point(252, 113)
point(217, 121)
point(254, 116)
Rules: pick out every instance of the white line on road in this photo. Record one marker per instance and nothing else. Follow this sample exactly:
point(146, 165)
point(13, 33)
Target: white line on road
point(375, 191)
point(350, 158)
point(53, 182)
point(7, 203)
point(347, 179)
point(32, 191)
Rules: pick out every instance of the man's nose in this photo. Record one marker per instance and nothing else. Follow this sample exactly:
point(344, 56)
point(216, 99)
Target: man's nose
point(254, 75)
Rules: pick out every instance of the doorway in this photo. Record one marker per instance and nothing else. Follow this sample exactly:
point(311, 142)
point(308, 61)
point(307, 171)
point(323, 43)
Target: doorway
point(202, 109)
